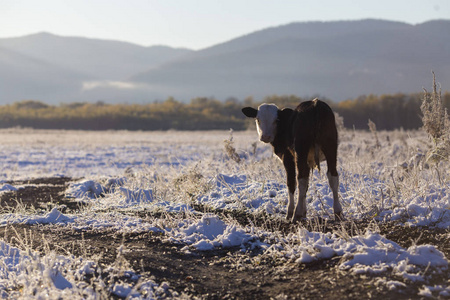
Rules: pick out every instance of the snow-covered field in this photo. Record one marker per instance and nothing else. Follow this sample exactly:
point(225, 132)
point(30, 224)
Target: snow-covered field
point(171, 175)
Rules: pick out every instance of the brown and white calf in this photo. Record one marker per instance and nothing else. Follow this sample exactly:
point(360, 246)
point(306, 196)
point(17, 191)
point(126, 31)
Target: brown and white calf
point(301, 138)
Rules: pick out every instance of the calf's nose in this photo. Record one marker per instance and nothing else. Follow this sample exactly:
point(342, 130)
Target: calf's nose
point(265, 138)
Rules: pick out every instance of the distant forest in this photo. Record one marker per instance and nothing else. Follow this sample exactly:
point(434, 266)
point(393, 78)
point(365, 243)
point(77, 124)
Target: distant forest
point(388, 112)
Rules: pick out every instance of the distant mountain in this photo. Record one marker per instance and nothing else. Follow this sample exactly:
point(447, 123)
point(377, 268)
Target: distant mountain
point(337, 60)
point(58, 69)
point(25, 77)
point(101, 59)
point(308, 30)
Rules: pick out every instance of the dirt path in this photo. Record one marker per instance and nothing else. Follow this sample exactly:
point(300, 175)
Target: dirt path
point(220, 274)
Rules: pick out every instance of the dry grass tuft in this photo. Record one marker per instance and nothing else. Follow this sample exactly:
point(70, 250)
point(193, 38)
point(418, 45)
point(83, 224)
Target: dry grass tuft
point(373, 130)
point(436, 123)
point(230, 150)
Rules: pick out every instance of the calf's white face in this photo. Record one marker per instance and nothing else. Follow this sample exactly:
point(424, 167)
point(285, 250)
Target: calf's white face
point(266, 122)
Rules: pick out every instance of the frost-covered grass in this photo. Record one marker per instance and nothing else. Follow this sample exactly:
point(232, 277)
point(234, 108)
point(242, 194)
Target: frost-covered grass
point(25, 274)
point(182, 180)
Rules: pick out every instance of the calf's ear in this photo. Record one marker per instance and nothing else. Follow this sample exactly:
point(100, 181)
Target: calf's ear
point(250, 112)
point(285, 113)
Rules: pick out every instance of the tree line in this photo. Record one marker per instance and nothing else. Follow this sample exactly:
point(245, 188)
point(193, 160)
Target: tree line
point(386, 111)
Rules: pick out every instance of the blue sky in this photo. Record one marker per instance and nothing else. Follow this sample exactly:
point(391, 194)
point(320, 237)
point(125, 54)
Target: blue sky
point(195, 24)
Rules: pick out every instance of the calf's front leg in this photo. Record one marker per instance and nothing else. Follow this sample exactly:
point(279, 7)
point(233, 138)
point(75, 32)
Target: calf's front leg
point(300, 209)
point(303, 171)
point(289, 165)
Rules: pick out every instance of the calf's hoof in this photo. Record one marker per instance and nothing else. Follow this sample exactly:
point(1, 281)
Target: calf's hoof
point(298, 218)
point(339, 216)
point(289, 216)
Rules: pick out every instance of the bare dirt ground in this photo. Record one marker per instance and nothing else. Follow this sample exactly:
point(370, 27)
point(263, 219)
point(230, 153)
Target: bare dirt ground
point(220, 274)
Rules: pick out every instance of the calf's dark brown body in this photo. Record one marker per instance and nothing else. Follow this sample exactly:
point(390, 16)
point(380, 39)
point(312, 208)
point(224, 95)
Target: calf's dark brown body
point(302, 138)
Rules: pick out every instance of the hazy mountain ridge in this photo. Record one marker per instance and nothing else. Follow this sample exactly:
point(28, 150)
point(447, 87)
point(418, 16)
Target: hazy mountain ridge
point(372, 57)
point(313, 30)
point(337, 60)
point(25, 77)
point(101, 59)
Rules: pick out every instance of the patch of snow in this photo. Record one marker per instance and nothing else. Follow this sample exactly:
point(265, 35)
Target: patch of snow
point(373, 253)
point(369, 253)
point(210, 232)
point(254, 196)
point(59, 281)
point(86, 189)
point(53, 217)
point(113, 183)
point(121, 290)
point(7, 188)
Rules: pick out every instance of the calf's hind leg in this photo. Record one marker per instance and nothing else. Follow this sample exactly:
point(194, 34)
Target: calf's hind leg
point(333, 180)
point(334, 185)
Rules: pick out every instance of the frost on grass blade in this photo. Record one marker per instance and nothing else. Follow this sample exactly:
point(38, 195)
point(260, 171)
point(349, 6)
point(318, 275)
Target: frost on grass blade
point(26, 274)
point(233, 192)
point(137, 196)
